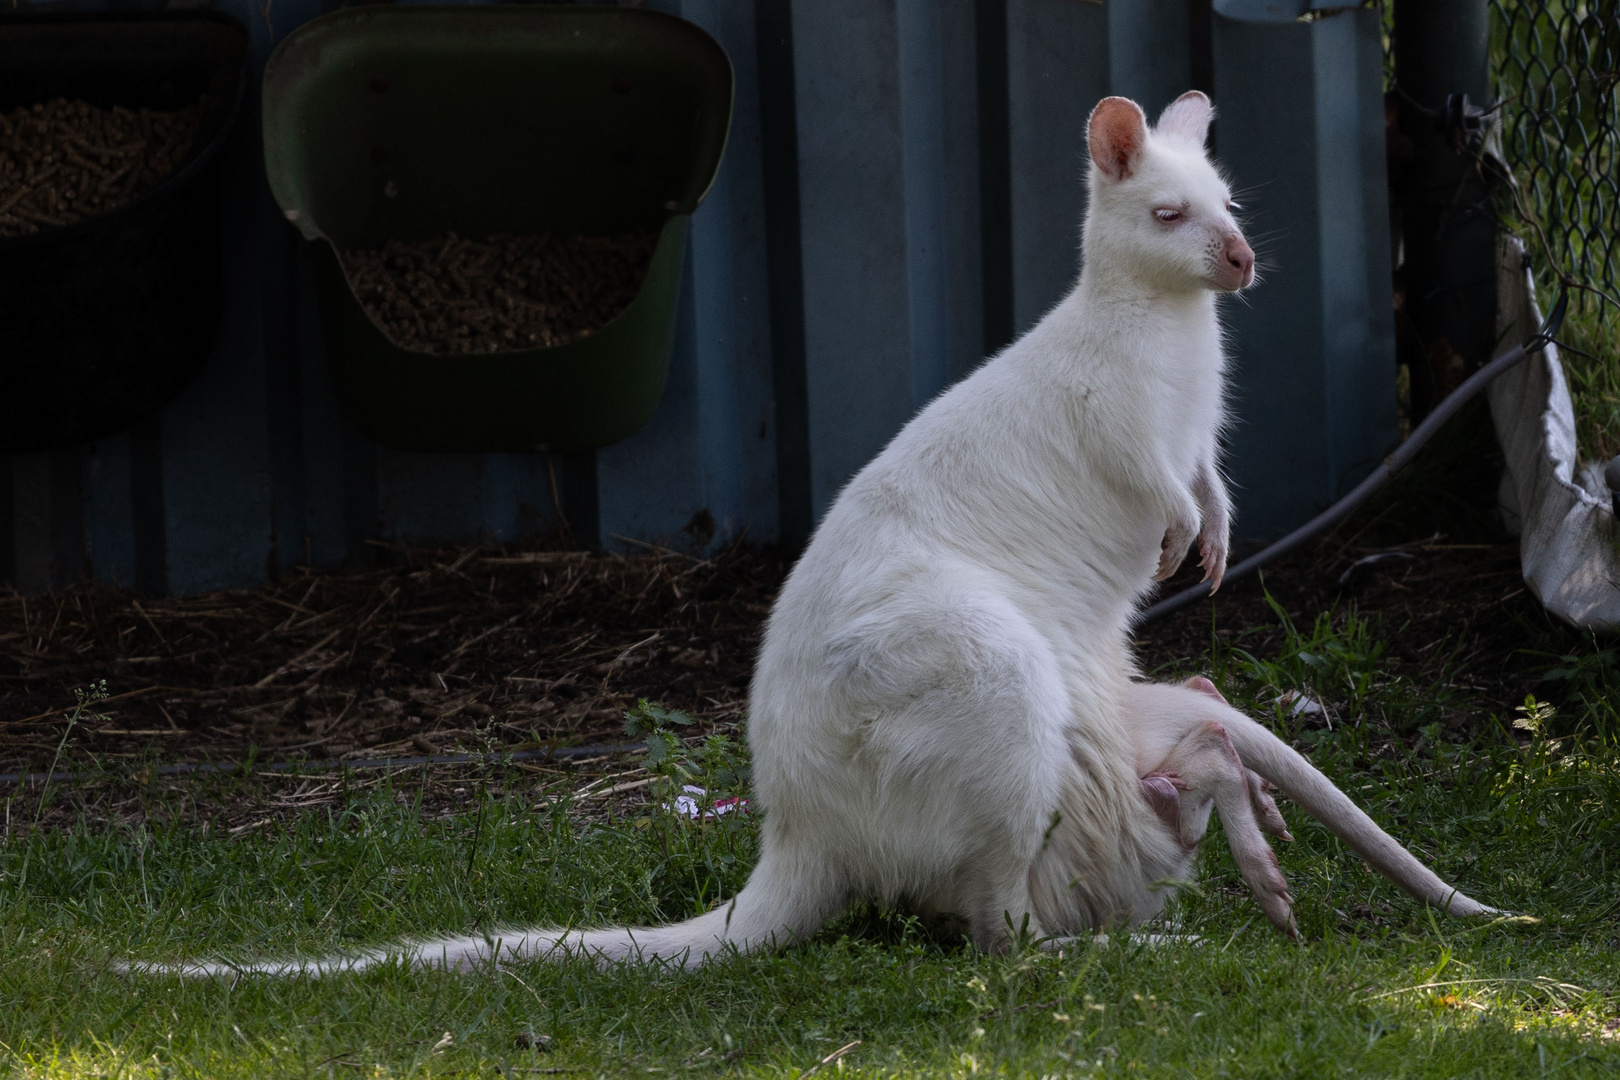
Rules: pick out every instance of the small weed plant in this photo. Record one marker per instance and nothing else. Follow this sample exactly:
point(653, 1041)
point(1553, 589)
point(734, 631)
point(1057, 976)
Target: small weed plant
point(697, 789)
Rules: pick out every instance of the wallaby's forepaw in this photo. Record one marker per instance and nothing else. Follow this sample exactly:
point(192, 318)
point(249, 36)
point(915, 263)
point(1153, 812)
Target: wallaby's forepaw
point(1177, 539)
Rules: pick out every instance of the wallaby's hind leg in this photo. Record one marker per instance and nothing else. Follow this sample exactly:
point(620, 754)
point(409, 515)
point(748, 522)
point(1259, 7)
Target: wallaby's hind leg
point(954, 713)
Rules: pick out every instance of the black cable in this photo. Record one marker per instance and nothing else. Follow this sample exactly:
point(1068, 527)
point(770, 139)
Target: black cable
point(1402, 455)
point(300, 768)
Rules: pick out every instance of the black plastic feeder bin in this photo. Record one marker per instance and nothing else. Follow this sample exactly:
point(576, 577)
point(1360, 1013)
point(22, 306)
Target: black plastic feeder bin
point(404, 123)
point(103, 321)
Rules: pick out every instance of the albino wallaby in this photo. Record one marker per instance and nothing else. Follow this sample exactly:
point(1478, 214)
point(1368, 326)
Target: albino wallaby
point(944, 713)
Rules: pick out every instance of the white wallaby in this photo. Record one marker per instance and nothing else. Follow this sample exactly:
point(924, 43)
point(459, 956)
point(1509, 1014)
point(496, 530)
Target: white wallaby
point(943, 713)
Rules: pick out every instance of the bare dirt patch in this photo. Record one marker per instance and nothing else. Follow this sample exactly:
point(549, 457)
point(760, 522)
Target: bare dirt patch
point(463, 648)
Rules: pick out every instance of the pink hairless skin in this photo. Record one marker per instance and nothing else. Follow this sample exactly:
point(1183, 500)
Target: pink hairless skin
point(1204, 770)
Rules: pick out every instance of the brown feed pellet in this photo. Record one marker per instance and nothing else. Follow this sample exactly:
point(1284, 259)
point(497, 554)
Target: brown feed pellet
point(62, 161)
point(453, 295)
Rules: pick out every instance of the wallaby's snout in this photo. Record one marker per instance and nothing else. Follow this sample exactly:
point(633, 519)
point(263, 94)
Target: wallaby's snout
point(1237, 263)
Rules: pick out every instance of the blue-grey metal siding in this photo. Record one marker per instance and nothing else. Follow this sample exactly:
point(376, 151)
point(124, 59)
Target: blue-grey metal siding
point(855, 256)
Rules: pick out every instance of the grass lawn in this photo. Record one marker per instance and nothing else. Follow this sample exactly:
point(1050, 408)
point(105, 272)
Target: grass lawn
point(1526, 818)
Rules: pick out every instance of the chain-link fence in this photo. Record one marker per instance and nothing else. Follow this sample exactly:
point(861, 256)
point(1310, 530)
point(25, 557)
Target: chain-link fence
point(1556, 66)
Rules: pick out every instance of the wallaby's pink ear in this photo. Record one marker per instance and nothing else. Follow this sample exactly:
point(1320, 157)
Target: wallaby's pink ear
point(1187, 117)
point(1117, 133)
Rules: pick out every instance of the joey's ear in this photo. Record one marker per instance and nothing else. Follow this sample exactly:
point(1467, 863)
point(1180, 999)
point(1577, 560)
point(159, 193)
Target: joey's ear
point(1117, 133)
point(1187, 117)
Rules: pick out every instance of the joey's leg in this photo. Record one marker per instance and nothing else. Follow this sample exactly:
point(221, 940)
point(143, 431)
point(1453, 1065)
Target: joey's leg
point(1154, 713)
point(1156, 726)
point(1205, 769)
point(1265, 807)
point(1215, 512)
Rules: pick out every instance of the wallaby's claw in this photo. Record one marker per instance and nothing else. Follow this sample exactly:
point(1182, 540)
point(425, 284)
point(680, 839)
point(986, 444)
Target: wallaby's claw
point(1212, 556)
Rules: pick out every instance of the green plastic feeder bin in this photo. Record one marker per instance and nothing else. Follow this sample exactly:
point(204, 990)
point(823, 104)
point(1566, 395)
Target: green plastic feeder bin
point(402, 123)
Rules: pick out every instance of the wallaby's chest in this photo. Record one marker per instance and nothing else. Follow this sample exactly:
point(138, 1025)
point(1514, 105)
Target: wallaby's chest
point(1181, 366)
point(1158, 396)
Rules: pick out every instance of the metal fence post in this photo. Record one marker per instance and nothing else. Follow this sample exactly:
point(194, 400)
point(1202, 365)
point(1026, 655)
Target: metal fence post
point(1449, 306)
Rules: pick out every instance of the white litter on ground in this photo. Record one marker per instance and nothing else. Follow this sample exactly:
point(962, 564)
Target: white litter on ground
point(1562, 514)
point(1297, 704)
point(689, 804)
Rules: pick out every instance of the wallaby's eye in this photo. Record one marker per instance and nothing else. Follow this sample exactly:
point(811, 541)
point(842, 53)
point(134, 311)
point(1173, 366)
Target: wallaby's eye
point(1165, 213)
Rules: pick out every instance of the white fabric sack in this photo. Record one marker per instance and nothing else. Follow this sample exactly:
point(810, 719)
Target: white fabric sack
point(1564, 521)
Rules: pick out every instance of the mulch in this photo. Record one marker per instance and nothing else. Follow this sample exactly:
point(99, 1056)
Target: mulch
point(456, 648)
point(64, 161)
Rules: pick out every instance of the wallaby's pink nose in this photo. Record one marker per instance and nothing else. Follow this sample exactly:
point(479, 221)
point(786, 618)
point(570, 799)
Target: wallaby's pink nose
point(1239, 262)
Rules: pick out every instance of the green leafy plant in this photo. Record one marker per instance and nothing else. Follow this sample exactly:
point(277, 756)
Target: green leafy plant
point(718, 764)
point(655, 725)
point(1589, 683)
point(1534, 716)
point(1340, 663)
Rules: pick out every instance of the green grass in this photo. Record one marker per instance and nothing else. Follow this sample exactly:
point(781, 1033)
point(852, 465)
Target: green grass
point(1523, 817)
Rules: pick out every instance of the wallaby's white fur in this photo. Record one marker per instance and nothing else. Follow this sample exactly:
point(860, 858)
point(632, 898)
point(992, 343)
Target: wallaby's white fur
point(943, 712)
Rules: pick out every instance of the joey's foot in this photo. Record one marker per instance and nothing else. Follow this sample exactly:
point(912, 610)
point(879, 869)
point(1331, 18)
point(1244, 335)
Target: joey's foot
point(1207, 764)
point(1270, 891)
point(1266, 814)
point(1212, 557)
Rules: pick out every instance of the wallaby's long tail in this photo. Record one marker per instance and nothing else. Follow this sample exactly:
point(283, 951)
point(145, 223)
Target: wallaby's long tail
point(1299, 780)
point(782, 903)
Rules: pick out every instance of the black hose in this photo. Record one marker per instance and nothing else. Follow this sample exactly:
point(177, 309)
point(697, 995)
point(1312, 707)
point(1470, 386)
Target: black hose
point(1402, 455)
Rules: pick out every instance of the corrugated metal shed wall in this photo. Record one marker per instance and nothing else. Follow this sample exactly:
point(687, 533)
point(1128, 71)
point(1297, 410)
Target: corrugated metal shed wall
point(901, 194)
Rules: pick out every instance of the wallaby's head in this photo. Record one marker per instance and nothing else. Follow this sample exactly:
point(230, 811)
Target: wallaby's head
point(1159, 209)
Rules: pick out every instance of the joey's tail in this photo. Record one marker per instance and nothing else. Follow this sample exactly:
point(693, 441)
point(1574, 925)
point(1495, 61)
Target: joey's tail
point(781, 904)
point(1299, 780)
